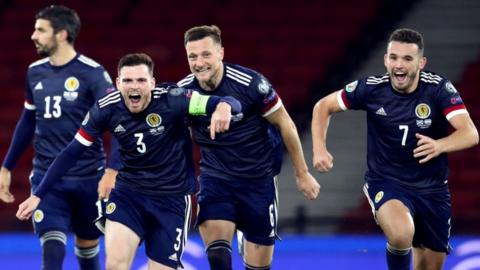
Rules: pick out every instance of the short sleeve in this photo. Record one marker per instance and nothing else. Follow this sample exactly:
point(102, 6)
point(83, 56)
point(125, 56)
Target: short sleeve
point(179, 100)
point(353, 96)
point(101, 82)
point(450, 101)
point(264, 95)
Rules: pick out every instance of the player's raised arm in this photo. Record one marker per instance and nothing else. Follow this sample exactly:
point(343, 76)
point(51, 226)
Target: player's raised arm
point(324, 108)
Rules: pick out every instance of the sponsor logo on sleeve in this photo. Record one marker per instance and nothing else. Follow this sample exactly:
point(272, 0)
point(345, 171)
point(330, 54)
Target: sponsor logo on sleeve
point(351, 86)
point(450, 88)
point(107, 77)
point(456, 100)
point(263, 86)
point(85, 120)
point(177, 91)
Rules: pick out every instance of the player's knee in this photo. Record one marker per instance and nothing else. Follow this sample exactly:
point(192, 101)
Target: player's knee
point(400, 241)
point(258, 255)
point(398, 250)
point(117, 259)
point(251, 267)
point(53, 249)
point(85, 243)
point(400, 237)
point(116, 263)
point(219, 254)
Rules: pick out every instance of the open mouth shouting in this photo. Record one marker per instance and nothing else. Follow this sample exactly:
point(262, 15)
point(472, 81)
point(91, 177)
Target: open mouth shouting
point(136, 102)
point(135, 98)
point(400, 76)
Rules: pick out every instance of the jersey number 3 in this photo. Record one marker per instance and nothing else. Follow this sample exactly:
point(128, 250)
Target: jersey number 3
point(141, 147)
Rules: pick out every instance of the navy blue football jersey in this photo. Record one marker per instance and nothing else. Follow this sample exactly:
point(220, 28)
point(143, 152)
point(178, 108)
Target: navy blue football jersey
point(60, 97)
point(252, 147)
point(152, 143)
point(394, 118)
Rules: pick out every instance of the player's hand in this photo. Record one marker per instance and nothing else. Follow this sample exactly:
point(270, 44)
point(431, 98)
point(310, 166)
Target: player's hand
point(5, 179)
point(220, 120)
point(308, 186)
point(107, 183)
point(322, 161)
point(26, 208)
point(426, 147)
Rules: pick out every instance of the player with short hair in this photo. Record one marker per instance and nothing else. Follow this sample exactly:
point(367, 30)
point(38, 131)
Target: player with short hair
point(408, 114)
point(238, 169)
point(151, 200)
point(60, 89)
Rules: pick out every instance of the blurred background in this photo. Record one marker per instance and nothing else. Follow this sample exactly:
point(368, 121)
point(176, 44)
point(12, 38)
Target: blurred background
point(307, 49)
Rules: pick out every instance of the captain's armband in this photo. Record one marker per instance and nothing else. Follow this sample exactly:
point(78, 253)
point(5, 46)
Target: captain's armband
point(198, 104)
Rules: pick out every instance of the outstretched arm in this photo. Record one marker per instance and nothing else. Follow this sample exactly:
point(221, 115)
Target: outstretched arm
point(464, 136)
point(306, 183)
point(324, 108)
point(21, 139)
point(66, 159)
point(221, 109)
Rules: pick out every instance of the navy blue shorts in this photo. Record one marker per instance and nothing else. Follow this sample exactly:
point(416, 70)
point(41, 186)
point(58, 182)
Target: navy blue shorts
point(430, 210)
point(161, 221)
point(69, 205)
point(251, 204)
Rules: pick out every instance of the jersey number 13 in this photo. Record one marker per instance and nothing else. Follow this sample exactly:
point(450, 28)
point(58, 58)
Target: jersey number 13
point(52, 107)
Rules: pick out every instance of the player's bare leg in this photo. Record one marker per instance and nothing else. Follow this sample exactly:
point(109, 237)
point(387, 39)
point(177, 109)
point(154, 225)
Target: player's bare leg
point(120, 245)
point(397, 224)
point(427, 259)
point(84, 243)
point(217, 236)
point(258, 256)
point(153, 265)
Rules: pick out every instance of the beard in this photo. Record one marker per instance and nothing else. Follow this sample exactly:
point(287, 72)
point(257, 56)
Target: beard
point(211, 83)
point(46, 50)
point(410, 80)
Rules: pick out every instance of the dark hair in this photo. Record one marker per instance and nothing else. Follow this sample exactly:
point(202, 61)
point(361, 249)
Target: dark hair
point(406, 35)
point(61, 18)
point(135, 59)
point(200, 32)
